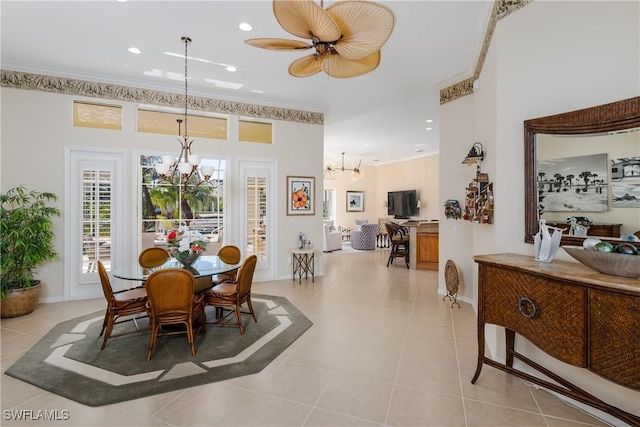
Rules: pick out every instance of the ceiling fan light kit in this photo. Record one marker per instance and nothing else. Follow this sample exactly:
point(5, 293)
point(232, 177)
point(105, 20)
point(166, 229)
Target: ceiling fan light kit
point(347, 36)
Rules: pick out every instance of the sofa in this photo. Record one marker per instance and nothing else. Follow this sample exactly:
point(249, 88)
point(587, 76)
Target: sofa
point(331, 236)
point(364, 239)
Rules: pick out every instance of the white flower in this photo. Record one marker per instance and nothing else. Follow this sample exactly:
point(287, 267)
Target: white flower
point(188, 240)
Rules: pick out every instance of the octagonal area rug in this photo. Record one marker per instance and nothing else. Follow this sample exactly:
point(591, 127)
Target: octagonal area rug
point(68, 360)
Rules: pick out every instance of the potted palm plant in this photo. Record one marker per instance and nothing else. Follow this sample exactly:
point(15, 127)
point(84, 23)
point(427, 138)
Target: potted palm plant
point(27, 237)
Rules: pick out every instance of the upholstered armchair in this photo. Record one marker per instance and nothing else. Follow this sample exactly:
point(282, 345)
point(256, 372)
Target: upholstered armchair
point(331, 236)
point(359, 222)
point(365, 238)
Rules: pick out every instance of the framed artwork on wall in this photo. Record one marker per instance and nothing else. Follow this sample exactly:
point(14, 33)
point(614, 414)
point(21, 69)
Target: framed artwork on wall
point(355, 201)
point(574, 184)
point(301, 195)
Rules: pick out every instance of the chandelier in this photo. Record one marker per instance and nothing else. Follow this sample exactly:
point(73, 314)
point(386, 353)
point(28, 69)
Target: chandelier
point(186, 166)
point(357, 172)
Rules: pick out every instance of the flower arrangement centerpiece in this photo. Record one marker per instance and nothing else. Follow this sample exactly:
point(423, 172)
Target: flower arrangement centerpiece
point(186, 245)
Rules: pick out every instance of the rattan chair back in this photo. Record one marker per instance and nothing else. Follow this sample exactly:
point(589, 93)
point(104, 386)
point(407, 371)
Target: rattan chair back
point(244, 279)
point(153, 257)
point(229, 254)
point(171, 301)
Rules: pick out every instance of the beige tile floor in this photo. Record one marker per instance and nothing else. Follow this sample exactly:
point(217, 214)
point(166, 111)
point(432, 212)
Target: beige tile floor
point(384, 350)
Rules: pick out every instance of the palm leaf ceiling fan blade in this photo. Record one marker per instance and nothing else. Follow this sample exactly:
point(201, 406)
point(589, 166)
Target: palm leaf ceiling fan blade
point(307, 65)
point(279, 44)
point(304, 19)
point(365, 27)
point(340, 67)
point(347, 37)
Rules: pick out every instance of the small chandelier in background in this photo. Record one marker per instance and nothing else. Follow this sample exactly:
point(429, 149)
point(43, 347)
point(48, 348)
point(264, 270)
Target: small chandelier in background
point(357, 172)
point(182, 169)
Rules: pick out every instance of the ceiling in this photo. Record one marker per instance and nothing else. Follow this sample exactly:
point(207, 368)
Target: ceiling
point(378, 117)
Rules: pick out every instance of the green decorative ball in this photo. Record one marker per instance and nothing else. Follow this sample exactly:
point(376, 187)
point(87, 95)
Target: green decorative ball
point(603, 247)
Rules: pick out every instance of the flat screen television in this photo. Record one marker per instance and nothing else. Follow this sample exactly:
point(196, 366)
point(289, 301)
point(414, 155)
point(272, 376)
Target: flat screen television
point(402, 204)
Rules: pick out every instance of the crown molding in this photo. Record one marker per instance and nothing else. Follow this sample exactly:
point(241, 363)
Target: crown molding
point(67, 86)
point(500, 9)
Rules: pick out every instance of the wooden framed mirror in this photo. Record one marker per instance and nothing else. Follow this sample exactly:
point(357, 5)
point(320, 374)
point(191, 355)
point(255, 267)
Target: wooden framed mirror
point(614, 117)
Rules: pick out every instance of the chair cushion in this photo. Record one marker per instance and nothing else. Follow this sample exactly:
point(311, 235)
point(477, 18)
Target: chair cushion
point(223, 289)
point(131, 294)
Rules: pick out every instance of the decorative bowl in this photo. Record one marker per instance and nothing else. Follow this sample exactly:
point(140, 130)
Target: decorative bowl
point(607, 262)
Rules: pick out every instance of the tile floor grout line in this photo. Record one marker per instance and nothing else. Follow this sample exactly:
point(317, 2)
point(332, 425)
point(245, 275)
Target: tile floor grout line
point(404, 344)
point(315, 404)
point(455, 345)
point(546, 423)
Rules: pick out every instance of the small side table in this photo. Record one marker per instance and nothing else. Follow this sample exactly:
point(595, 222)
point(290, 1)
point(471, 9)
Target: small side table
point(303, 263)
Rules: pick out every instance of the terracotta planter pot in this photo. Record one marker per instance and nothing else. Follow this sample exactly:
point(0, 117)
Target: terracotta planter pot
point(19, 302)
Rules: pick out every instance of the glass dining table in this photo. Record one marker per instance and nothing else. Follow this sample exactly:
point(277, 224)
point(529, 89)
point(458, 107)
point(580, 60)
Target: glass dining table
point(205, 267)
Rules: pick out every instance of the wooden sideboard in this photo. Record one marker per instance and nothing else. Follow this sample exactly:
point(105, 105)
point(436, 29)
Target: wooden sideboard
point(595, 229)
point(574, 314)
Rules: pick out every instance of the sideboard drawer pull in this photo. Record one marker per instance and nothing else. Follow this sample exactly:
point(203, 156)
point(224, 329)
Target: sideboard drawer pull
point(530, 312)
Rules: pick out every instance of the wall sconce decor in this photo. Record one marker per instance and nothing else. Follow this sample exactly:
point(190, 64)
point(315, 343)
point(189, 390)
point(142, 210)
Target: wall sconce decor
point(476, 155)
point(478, 203)
point(452, 209)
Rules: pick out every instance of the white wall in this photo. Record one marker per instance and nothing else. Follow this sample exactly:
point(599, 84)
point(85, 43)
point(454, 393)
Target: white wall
point(37, 127)
point(419, 174)
point(547, 58)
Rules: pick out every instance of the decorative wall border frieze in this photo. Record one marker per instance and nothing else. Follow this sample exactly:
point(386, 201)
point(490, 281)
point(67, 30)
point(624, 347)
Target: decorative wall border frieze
point(500, 9)
point(67, 86)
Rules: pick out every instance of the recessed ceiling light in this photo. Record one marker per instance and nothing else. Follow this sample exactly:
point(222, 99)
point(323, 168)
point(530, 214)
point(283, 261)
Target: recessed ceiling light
point(245, 26)
point(418, 150)
point(134, 50)
point(429, 128)
point(122, 1)
point(231, 69)
point(429, 121)
point(257, 91)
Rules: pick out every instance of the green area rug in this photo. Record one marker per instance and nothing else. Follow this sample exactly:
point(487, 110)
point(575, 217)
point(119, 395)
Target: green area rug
point(68, 361)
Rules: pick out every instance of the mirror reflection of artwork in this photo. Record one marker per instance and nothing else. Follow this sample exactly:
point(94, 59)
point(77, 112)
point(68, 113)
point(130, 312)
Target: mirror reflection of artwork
point(626, 195)
point(573, 184)
point(625, 168)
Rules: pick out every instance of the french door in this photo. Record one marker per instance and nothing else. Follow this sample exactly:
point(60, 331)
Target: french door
point(94, 225)
point(257, 214)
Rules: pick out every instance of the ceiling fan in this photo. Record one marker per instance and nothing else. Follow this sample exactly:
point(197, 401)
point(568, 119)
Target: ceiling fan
point(347, 35)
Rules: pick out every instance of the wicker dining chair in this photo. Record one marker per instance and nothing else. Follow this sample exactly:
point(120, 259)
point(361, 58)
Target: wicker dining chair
point(153, 257)
point(233, 294)
point(228, 254)
point(172, 301)
point(122, 306)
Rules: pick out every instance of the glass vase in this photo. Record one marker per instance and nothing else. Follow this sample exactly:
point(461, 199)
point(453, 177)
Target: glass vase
point(186, 258)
